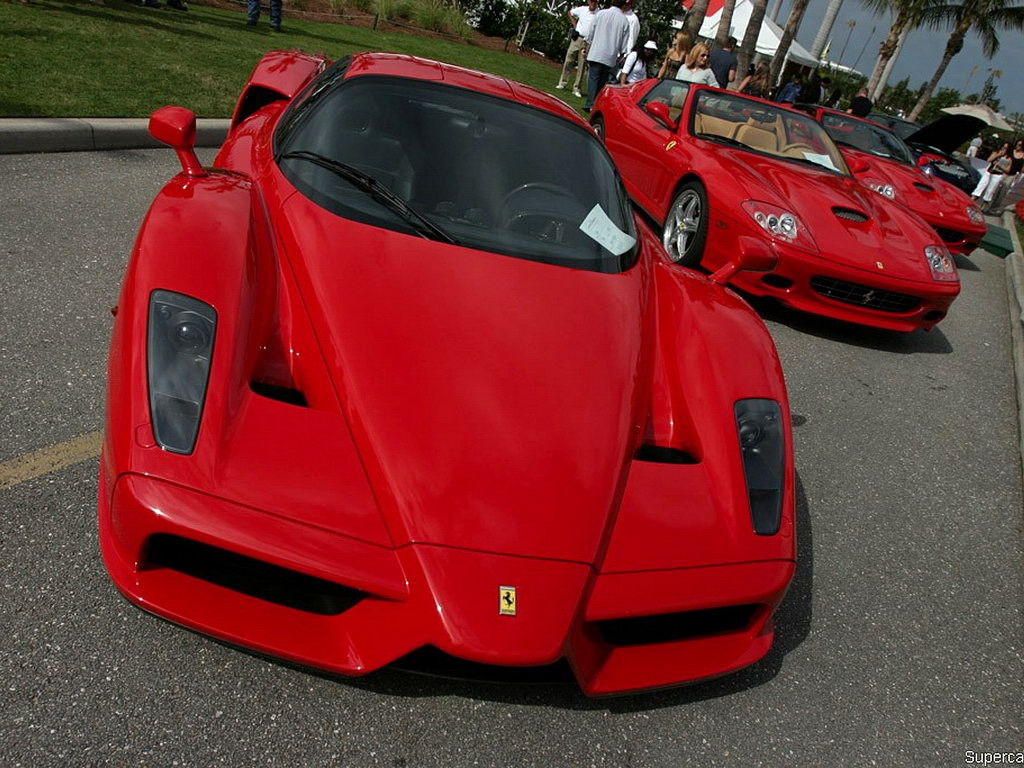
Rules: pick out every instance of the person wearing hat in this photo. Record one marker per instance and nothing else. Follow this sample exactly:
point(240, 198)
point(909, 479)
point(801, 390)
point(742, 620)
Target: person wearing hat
point(634, 68)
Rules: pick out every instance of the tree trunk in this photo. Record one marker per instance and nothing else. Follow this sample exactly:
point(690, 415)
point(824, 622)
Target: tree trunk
point(725, 24)
point(746, 52)
point(887, 71)
point(795, 17)
point(826, 27)
point(953, 47)
point(887, 49)
point(695, 18)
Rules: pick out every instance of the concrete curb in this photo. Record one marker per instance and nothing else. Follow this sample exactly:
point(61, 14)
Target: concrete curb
point(86, 134)
point(1015, 289)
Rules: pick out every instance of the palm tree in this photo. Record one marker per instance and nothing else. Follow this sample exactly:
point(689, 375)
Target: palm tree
point(907, 15)
point(695, 17)
point(826, 27)
point(725, 24)
point(984, 17)
point(746, 51)
point(795, 17)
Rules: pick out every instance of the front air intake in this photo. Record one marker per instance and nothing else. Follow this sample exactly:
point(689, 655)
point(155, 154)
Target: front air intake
point(849, 214)
point(249, 576)
point(672, 627)
point(924, 187)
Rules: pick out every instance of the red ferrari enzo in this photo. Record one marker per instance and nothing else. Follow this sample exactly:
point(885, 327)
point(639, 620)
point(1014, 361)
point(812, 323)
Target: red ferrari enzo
point(712, 167)
point(403, 377)
point(880, 159)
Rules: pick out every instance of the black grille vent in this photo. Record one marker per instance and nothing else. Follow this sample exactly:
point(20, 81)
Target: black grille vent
point(672, 627)
point(850, 215)
point(950, 235)
point(924, 187)
point(863, 295)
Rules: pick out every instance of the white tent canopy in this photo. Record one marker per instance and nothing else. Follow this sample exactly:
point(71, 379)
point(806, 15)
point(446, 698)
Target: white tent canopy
point(768, 39)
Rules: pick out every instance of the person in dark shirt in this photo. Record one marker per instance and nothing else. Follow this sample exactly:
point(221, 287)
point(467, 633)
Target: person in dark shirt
point(723, 63)
point(860, 105)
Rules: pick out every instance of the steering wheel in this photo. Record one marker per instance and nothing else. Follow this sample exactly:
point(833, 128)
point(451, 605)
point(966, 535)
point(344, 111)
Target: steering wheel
point(540, 209)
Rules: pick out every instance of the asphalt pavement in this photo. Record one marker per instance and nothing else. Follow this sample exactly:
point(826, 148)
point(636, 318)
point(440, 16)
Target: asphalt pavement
point(901, 641)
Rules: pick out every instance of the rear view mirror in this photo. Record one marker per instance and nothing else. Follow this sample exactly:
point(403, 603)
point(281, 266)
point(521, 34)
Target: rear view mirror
point(856, 163)
point(659, 111)
point(176, 127)
point(753, 255)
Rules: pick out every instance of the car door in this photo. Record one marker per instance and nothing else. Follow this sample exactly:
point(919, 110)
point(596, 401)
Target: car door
point(644, 154)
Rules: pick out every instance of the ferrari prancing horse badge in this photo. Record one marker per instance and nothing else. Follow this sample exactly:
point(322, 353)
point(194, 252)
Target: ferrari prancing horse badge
point(507, 601)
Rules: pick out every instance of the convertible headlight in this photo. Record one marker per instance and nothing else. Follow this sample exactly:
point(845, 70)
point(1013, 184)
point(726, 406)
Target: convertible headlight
point(780, 223)
point(886, 190)
point(975, 215)
point(762, 445)
point(179, 351)
point(940, 263)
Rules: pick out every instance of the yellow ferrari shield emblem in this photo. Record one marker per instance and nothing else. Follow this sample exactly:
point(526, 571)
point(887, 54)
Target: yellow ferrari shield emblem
point(507, 601)
point(670, 145)
point(880, 265)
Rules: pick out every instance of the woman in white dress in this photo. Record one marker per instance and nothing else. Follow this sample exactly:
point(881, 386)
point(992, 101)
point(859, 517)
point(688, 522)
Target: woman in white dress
point(634, 68)
point(696, 69)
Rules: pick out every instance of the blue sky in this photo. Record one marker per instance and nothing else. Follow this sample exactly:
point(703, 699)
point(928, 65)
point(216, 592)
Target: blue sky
point(922, 53)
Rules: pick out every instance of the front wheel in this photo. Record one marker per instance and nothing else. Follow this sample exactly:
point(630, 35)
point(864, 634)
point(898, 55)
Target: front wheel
point(686, 226)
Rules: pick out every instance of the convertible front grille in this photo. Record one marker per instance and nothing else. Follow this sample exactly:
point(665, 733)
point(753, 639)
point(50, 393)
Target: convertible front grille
point(850, 215)
point(863, 295)
point(950, 235)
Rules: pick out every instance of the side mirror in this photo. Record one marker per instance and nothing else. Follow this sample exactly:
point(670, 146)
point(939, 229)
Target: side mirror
point(754, 255)
point(659, 111)
point(176, 127)
point(856, 163)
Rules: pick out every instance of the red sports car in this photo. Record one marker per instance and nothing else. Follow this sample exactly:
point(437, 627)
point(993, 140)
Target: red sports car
point(403, 377)
point(880, 159)
point(712, 167)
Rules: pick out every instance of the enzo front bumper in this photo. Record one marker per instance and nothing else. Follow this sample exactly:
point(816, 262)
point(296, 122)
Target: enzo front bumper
point(350, 607)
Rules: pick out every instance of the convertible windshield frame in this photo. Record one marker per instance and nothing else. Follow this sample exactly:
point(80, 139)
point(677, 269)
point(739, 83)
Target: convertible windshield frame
point(794, 126)
point(539, 177)
point(880, 134)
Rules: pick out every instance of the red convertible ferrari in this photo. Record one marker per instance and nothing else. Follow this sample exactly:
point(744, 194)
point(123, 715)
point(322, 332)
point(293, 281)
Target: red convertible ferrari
point(403, 378)
point(712, 168)
point(880, 159)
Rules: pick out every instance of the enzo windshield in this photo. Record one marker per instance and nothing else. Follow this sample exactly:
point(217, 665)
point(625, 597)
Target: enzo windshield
point(867, 138)
point(475, 170)
point(774, 131)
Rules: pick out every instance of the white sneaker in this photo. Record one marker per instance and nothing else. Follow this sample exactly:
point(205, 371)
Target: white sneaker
point(559, 87)
point(576, 93)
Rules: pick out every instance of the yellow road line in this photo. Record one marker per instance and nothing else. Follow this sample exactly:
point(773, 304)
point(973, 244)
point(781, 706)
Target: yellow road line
point(47, 460)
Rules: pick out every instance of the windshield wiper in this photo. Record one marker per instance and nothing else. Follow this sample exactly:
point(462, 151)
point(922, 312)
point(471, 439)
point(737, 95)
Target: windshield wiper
point(377, 191)
point(723, 139)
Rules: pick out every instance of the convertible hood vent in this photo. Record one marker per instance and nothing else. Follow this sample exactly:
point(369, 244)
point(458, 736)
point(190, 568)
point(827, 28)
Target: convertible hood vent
point(850, 215)
point(288, 395)
point(660, 455)
point(924, 187)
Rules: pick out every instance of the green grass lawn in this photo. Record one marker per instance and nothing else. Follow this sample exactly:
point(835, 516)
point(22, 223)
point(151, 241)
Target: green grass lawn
point(75, 58)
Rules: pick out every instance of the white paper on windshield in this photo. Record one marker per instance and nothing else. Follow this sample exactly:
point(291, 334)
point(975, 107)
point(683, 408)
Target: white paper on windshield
point(597, 226)
point(820, 160)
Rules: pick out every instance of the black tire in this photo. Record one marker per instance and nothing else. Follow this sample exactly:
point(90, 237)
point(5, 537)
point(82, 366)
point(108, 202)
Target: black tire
point(686, 225)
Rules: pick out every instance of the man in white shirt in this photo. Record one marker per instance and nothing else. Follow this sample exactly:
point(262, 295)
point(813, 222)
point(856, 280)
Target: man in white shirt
point(634, 24)
point(608, 40)
point(581, 19)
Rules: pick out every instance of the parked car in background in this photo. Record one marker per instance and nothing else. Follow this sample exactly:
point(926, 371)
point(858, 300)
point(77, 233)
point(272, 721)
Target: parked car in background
point(933, 145)
point(714, 168)
point(404, 378)
point(880, 159)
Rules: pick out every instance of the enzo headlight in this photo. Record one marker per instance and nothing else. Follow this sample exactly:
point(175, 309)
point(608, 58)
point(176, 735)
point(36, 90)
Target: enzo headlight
point(975, 215)
point(179, 350)
point(940, 263)
point(762, 445)
point(886, 190)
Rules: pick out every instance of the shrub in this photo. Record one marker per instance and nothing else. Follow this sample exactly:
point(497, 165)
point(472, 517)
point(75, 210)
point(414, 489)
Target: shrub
point(439, 16)
point(392, 10)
